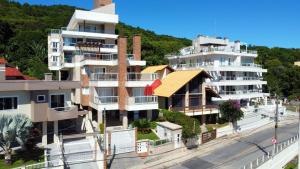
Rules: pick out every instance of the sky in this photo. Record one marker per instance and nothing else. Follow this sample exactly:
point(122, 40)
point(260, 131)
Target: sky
point(273, 23)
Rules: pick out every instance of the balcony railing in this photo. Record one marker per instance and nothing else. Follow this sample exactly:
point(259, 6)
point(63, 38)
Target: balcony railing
point(104, 76)
point(142, 76)
point(111, 46)
point(106, 99)
point(84, 30)
point(55, 64)
point(195, 109)
point(211, 64)
point(239, 92)
point(142, 100)
point(238, 78)
point(100, 57)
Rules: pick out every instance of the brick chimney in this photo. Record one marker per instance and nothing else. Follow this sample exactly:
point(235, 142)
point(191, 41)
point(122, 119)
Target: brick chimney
point(122, 58)
point(137, 50)
point(100, 3)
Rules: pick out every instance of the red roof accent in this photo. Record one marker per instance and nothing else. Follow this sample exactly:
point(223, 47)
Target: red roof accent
point(9, 71)
point(155, 84)
point(3, 61)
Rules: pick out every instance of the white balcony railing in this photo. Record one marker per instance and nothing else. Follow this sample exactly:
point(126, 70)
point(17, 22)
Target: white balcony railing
point(239, 92)
point(142, 100)
point(239, 78)
point(104, 76)
point(106, 100)
point(142, 76)
point(55, 64)
point(85, 30)
point(100, 57)
point(211, 64)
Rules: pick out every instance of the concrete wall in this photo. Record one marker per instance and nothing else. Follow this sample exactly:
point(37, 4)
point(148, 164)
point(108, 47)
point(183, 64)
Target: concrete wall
point(24, 104)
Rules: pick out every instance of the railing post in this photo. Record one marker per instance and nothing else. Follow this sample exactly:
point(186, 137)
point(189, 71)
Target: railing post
point(251, 166)
point(257, 161)
point(263, 158)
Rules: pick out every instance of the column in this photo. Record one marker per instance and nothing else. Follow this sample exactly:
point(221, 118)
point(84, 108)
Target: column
point(203, 120)
point(44, 137)
point(90, 115)
point(187, 98)
point(55, 137)
point(149, 115)
point(125, 119)
point(136, 115)
point(100, 116)
point(137, 50)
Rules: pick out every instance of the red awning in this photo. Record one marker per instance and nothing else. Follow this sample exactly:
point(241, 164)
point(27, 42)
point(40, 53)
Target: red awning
point(155, 84)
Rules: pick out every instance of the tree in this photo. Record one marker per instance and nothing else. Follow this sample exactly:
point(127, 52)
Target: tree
point(13, 128)
point(231, 111)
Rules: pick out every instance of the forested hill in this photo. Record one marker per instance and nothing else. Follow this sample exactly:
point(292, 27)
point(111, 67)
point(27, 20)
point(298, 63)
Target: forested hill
point(24, 29)
point(23, 41)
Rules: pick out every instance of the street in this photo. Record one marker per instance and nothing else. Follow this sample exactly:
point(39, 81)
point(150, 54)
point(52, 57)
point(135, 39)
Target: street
point(241, 152)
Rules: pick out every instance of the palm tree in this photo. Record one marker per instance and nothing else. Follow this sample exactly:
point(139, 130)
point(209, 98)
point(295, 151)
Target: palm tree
point(13, 128)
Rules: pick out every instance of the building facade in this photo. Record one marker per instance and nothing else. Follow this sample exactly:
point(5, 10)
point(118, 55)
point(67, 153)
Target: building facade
point(47, 103)
point(235, 74)
point(88, 50)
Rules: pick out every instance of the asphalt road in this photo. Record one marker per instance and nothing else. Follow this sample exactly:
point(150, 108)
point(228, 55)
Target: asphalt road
point(241, 152)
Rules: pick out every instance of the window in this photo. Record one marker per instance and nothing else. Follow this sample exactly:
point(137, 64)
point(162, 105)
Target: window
point(57, 100)
point(41, 98)
point(55, 46)
point(8, 103)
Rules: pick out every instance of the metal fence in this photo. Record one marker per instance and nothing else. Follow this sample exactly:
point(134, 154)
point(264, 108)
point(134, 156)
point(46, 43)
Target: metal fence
point(270, 154)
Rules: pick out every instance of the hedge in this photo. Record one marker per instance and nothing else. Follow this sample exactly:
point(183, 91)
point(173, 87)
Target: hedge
point(190, 126)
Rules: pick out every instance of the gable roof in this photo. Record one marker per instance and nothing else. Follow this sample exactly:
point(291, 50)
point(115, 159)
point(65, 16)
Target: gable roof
point(176, 80)
point(154, 69)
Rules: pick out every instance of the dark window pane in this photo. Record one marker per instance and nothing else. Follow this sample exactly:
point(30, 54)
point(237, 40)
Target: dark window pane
point(15, 103)
point(8, 103)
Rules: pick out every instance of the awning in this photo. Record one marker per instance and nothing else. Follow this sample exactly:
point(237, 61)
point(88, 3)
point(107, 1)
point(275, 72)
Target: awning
point(176, 80)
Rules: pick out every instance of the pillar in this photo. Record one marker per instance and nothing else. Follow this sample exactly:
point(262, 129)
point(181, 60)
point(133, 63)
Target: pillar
point(149, 115)
point(125, 119)
point(187, 97)
point(44, 137)
point(203, 120)
point(55, 137)
point(136, 115)
point(100, 116)
point(90, 115)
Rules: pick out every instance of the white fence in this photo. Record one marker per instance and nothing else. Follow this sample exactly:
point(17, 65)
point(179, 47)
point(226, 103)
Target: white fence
point(278, 157)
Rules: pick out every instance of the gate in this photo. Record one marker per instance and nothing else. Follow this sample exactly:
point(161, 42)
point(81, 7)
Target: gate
point(208, 136)
point(122, 141)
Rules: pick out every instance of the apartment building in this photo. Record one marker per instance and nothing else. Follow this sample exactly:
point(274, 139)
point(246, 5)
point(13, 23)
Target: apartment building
point(231, 64)
point(88, 50)
point(46, 102)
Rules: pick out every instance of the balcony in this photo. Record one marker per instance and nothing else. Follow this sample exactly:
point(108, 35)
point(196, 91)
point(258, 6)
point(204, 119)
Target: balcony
point(141, 103)
point(133, 62)
point(240, 94)
point(105, 102)
point(230, 78)
point(100, 59)
point(210, 66)
point(88, 33)
point(197, 110)
point(140, 79)
point(104, 79)
point(63, 113)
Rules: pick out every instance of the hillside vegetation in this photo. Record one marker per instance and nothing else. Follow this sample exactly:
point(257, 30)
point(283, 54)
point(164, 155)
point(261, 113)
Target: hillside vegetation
point(23, 41)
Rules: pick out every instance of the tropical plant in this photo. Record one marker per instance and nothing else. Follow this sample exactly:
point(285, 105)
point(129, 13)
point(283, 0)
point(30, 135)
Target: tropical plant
point(231, 111)
point(13, 128)
point(143, 125)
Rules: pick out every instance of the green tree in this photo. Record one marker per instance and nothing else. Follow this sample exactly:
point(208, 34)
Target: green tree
point(13, 128)
point(231, 111)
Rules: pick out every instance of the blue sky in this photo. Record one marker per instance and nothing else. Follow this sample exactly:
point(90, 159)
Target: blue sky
point(260, 22)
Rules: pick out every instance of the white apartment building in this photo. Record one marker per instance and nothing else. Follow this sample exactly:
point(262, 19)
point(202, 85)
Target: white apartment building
point(88, 50)
point(235, 74)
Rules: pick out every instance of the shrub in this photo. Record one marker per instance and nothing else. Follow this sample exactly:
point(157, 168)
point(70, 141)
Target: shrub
point(231, 111)
point(190, 126)
point(143, 125)
point(209, 128)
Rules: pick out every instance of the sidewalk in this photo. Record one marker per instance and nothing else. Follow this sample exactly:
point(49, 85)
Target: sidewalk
point(180, 155)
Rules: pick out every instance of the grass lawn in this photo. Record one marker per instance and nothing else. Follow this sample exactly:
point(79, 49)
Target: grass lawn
point(21, 158)
point(150, 136)
point(217, 125)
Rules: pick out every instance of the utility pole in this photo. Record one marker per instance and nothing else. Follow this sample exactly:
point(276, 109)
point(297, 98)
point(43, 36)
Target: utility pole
point(276, 125)
point(104, 141)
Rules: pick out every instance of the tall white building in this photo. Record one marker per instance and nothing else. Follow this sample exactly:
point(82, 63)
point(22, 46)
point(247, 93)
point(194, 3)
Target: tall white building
point(235, 74)
point(88, 50)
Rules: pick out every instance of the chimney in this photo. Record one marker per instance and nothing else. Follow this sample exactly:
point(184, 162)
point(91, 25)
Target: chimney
point(48, 77)
point(122, 58)
point(137, 50)
point(100, 3)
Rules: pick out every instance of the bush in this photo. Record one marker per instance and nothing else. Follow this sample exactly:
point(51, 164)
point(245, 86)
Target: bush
point(190, 126)
point(231, 111)
point(209, 128)
point(143, 125)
